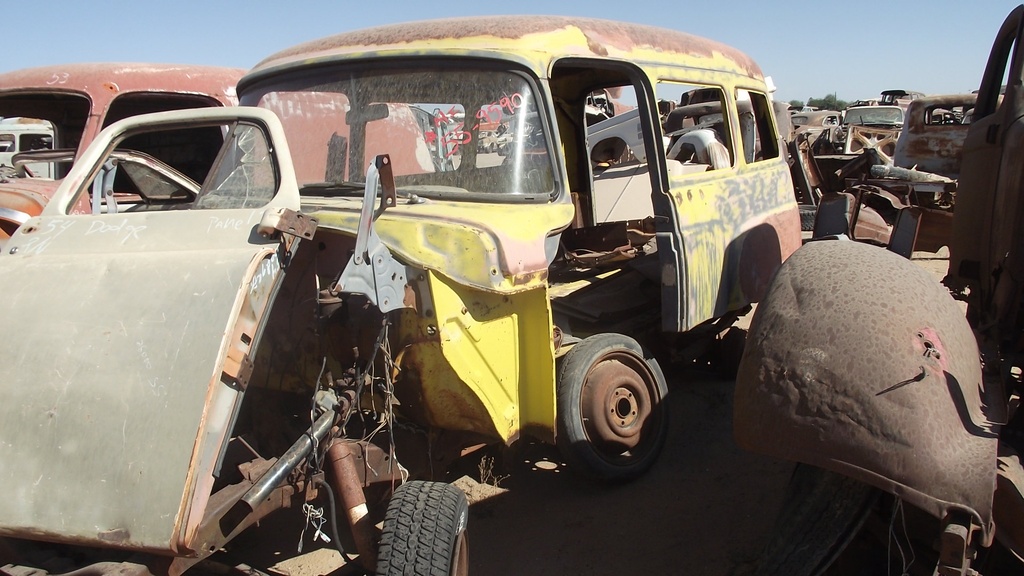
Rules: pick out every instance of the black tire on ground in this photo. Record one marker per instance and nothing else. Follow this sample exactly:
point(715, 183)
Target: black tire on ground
point(612, 415)
point(821, 513)
point(425, 532)
point(807, 213)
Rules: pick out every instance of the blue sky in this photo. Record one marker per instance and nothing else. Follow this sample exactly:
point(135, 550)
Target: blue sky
point(854, 49)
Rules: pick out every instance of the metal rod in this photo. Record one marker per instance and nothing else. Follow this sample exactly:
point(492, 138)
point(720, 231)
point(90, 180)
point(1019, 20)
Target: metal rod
point(289, 460)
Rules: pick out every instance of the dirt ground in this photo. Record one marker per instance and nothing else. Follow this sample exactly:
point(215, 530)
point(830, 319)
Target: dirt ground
point(706, 507)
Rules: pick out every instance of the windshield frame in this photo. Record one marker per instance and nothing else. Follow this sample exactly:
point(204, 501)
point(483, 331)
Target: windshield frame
point(325, 73)
point(875, 113)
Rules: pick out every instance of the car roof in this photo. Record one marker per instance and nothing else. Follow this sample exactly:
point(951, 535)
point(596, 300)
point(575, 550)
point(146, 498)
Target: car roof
point(124, 77)
point(537, 40)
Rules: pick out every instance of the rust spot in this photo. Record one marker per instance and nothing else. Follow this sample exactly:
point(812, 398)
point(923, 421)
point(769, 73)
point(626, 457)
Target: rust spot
point(595, 47)
point(114, 535)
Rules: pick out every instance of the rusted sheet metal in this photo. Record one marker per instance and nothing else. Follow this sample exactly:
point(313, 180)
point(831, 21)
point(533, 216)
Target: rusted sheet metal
point(492, 257)
point(871, 372)
point(523, 34)
point(105, 81)
point(814, 123)
point(933, 134)
point(764, 247)
point(883, 140)
point(28, 200)
point(355, 465)
point(29, 92)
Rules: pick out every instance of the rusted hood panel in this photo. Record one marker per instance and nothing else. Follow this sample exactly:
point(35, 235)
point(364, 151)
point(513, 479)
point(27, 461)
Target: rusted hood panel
point(871, 371)
point(113, 406)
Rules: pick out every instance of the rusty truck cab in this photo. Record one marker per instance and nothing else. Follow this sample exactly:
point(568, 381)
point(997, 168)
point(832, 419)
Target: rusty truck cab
point(526, 252)
point(415, 240)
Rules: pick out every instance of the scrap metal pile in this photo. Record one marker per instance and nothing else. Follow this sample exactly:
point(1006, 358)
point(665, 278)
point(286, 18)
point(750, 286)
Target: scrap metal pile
point(859, 172)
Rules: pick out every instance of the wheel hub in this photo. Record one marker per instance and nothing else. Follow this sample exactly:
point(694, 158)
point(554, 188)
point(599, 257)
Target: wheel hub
point(615, 405)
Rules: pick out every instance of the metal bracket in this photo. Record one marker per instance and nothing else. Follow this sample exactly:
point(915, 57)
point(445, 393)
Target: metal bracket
point(956, 552)
point(286, 221)
point(238, 369)
point(373, 271)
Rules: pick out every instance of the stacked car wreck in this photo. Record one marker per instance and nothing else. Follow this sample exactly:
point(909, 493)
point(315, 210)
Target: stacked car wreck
point(355, 286)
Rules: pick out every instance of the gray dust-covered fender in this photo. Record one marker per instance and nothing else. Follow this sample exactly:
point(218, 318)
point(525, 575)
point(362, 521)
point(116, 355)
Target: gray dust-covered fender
point(860, 362)
point(130, 338)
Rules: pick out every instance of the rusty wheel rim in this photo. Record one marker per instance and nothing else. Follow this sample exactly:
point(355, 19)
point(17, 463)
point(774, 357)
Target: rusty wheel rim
point(460, 557)
point(616, 405)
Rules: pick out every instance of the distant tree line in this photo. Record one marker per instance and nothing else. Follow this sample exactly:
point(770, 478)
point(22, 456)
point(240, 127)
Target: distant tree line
point(829, 102)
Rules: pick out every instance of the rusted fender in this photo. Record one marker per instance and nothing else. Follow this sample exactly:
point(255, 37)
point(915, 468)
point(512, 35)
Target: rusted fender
point(859, 361)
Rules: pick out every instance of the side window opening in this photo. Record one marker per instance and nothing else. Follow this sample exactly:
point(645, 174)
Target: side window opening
point(136, 103)
point(21, 137)
point(62, 117)
point(214, 166)
point(757, 132)
point(694, 127)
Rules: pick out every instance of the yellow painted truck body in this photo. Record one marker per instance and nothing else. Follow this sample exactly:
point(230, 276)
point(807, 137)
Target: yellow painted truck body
point(404, 243)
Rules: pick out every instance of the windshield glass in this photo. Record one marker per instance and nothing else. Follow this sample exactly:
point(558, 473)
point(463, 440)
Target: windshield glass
point(451, 132)
point(869, 115)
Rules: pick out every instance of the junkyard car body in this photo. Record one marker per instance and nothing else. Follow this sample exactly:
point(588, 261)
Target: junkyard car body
point(933, 134)
point(901, 98)
point(208, 318)
point(876, 127)
point(845, 372)
point(816, 122)
point(76, 101)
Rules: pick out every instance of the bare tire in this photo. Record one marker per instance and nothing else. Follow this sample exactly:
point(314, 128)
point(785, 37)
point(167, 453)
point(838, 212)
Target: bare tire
point(612, 416)
point(425, 532)
point(821, 513)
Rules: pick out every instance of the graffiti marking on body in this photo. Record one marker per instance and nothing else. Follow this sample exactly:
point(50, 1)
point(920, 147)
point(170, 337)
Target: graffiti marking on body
point(391, 256)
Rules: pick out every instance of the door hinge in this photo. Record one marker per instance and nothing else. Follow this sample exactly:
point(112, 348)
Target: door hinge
point(286, 221)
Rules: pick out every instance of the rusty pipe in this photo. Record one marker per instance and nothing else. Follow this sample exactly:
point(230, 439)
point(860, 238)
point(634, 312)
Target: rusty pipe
point(261, 490)
point(347, 484)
